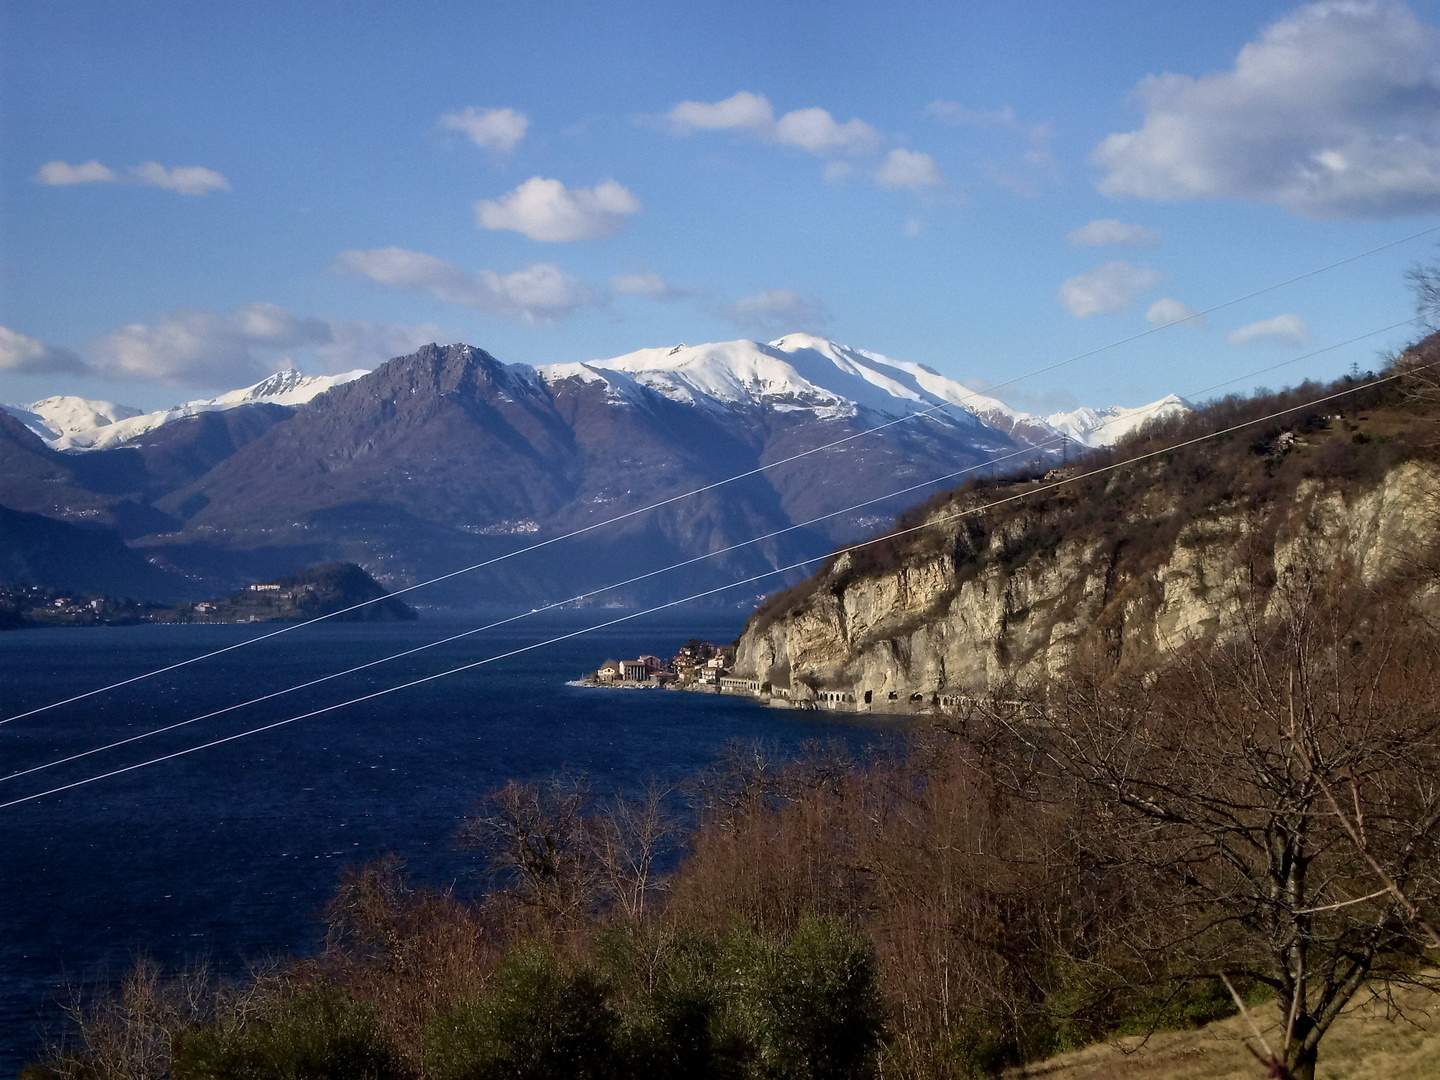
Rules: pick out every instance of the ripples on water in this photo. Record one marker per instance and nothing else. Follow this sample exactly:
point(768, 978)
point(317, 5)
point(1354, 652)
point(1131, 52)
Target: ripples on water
point(229, 854)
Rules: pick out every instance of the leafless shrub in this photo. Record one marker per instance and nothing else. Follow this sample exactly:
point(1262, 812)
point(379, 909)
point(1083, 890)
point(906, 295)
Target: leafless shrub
point(126, 1033)
point(407, 952)
point(626, 840)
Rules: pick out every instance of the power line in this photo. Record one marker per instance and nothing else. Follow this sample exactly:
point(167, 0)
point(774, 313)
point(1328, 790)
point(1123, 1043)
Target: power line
point(932, 410)
point(969, 512)
point(647, 575)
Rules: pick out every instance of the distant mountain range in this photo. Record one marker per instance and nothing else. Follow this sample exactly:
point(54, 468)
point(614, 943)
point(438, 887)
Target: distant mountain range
point(74, 423)
point(723, 374)
point(448, 456)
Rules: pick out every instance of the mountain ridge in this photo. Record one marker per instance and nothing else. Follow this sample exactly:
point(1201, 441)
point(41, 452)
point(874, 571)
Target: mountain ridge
point(449, 457)
point(725, 371)
point(69, 422)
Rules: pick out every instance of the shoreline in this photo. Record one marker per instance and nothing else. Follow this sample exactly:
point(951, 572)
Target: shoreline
point(831, 701)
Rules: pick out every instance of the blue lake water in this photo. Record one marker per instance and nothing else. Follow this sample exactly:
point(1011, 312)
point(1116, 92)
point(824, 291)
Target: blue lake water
point(229, 854)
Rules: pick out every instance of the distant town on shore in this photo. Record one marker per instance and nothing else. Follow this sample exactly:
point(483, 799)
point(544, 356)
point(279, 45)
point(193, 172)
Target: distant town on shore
point(704, 667)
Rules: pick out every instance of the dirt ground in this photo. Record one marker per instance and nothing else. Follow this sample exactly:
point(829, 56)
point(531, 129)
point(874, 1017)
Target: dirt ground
point(1363, 1045)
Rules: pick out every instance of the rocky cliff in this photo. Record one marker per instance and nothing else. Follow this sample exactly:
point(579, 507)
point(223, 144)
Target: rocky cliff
point(1123, 568)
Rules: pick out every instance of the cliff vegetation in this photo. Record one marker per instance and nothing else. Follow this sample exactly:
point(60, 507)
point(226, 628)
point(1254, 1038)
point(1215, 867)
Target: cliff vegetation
point(1009, 582)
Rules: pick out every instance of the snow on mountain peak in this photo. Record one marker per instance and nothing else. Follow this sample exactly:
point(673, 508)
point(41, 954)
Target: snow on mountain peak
point(802, 371)
point(1105, 427)
point(732, 372)
point(75, 423)
point(796, 372)
point(288, 387)
point(619, 387)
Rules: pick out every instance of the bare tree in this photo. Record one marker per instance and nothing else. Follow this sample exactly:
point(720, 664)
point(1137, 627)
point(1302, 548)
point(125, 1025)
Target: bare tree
point(1424, 279)
point(626, 840)
point(537, 837)
point(1207, 789)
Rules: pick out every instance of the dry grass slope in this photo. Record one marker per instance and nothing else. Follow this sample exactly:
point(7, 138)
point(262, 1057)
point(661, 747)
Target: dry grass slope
point(1363, 1045)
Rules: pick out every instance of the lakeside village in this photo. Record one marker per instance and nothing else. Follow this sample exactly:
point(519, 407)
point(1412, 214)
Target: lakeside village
point(703, 667)
point(699, 665)
point(31, 606)
point(314, 591)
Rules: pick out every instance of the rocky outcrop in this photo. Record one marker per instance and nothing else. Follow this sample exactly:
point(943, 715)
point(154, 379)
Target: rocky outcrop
point(1123, 570)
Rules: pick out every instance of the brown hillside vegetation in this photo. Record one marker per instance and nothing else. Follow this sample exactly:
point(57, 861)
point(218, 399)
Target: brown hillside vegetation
point(988, 894)
point(1042, 871)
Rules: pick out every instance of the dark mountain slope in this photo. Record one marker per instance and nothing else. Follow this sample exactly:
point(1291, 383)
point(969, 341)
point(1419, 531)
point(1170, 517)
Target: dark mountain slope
point(38, 550)
point(449, 457)
point(177, 453)
point(449, 435)
point(37, 479)
point(116, 486)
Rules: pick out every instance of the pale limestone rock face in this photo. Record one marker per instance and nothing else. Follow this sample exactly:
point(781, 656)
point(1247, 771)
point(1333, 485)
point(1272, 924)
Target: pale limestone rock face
point(938, 624)
point(1203, 584)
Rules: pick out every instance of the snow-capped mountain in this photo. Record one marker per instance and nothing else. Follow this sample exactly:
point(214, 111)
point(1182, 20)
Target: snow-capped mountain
point(795, 372)
point(448, 456)
point(1105, 427)
point(75, 423)
point(800, 371)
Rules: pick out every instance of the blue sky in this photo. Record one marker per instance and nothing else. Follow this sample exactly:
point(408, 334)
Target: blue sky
point(197, 194)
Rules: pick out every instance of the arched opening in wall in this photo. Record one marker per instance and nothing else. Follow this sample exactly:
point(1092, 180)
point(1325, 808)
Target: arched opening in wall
point(868, 696)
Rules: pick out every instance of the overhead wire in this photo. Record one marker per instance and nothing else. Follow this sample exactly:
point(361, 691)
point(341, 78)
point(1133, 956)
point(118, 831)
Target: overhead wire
point(928, 524)
point(272, 695)
point(583, 530)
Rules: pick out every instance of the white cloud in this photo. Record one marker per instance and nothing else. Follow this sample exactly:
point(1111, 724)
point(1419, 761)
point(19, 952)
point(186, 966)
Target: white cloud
point(740, 112)
point(955, 113)
point(776, 311)
point(206, 348)
point(1039, 138)
point(914, 228)
point(817, 131)
point(358, 343)
point(1110, 231)
point(186, 179)
point(23, 355)
point(813, 129)
point(1281, 330)
point(1167, 311)
point(541, 292)
point(649, 284)
point(1107, 289)
point(1331, 112)
point(63, 174)
point(490, 129)
point(549, 211)
point(909, 169)
point(1012, 180)
point(646, 284)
